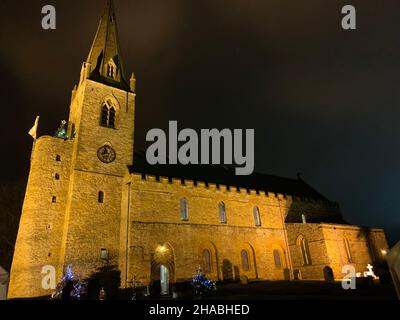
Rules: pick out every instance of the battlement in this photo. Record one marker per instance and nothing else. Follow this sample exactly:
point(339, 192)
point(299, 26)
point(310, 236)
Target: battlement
point(234, 190)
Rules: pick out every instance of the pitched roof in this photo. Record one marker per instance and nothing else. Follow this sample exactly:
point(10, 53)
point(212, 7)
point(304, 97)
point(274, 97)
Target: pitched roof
point(226, 176)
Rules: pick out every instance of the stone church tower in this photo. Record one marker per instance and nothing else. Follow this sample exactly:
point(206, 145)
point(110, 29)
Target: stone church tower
point(65, 219)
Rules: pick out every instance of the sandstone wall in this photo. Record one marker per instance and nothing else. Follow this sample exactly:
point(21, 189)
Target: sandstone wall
point(155, 222)
point(328, 248)
point(40, 230)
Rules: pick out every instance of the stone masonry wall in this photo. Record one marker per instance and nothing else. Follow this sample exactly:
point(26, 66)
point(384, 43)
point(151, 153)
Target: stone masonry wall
point(40, 231)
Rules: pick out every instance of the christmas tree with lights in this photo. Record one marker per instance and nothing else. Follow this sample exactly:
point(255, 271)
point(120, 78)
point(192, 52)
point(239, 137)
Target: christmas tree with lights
point(201, 284)
point(69, 288)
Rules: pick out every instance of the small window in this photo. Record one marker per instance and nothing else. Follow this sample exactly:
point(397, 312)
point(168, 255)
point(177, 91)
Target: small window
point(207, 261)
point(348, 250)
point(110, 70)
point(257, 218)
point(104, 254)
point(54, 199)
point(245, 260)
point(222, 213)
point(101, 197)
point(277, 259)
point(57, 176)
point(184, 210)
point(58, 158)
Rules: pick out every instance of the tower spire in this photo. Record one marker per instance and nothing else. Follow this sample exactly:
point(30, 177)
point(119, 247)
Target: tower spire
point(105, 54)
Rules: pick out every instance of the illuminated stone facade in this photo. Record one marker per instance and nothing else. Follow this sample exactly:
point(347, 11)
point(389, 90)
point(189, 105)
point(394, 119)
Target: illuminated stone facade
point(81, 203)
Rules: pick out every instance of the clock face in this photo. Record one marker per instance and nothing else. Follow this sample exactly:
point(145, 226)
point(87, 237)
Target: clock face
point(106, 154)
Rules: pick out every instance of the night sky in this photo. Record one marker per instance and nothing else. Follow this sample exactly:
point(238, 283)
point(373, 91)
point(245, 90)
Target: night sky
point(323, 101)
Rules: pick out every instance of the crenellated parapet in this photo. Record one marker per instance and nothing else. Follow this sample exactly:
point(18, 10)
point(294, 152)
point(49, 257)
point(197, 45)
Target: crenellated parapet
point(241, 200)
point(287, 200)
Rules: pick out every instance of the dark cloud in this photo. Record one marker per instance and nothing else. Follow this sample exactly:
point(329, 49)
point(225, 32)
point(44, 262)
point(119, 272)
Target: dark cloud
point(323, 101)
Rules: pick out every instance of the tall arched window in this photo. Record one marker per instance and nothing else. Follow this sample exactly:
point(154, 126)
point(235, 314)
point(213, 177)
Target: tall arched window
point(184, 210)
point(207, 261)
point(222, 213)
point(101, 197)
point(304, 250)
point(108, 115)
point(277, 259)
point(245, 260)
point(104, 116)
point(257, 218)
point(348, 250)
point(111, 121)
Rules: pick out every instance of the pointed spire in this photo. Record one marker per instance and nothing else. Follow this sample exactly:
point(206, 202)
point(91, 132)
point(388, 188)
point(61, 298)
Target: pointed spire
point(105, 55)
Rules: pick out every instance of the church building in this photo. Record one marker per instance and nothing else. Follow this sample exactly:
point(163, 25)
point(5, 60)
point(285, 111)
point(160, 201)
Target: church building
point(93, 202)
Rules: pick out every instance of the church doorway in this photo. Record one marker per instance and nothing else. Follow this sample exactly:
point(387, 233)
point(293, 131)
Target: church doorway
point(164, 279)
point(162, 270)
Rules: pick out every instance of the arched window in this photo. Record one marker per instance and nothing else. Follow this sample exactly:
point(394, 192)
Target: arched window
point(222, 213)
point(111, 121)
point(110, 70)
point(245, 260)
point(108, 115)
point(277, 259)
point(207, 261)
point(184, 210)
point(58, 158)
point(57, 176)
point(348, 250)
point(101, 197)
point(305, 251)
point(257, 218)
point(104, 116)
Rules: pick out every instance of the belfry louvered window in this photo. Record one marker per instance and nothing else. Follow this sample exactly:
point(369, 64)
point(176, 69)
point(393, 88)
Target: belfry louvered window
point(104, 116)
point(108, 115)
point(111, 120)
point(110, 70)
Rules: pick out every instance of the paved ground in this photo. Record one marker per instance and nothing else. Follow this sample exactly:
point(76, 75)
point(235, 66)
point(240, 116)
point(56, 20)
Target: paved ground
point(302, 290)
point(290, 290)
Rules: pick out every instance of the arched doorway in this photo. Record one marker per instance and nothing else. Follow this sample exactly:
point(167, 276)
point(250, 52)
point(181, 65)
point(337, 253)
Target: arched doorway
point(162, 270)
